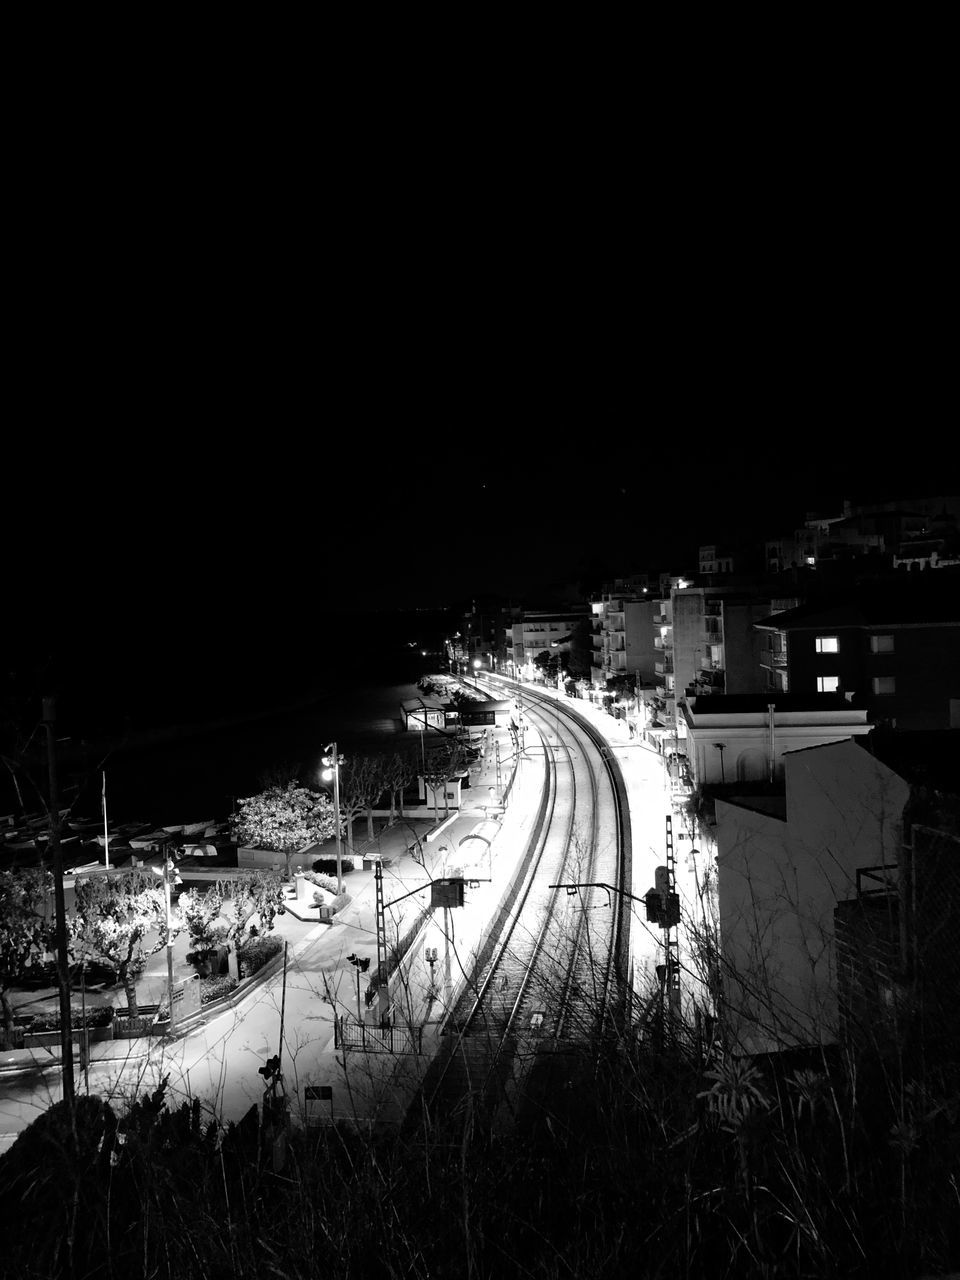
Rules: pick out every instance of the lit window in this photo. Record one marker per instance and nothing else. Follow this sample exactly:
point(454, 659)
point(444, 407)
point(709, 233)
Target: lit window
point(827, 644)
point(828, 684)
point(884, 684)
point(881, 644)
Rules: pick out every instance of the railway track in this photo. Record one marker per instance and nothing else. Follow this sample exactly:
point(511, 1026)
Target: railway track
point(546, 977)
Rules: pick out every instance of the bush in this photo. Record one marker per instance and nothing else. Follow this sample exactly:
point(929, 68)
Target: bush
point(214, 988)
point(329, 865)
point(340, 902)
point(253, 955)
point(98, 1015)
point(321, 881)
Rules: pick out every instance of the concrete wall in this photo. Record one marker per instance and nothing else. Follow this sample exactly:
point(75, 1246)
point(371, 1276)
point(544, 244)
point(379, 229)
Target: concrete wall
point(779, 882)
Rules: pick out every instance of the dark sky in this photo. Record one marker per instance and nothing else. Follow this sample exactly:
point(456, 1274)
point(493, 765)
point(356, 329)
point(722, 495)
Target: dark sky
point(249, 384)
point(266, 523)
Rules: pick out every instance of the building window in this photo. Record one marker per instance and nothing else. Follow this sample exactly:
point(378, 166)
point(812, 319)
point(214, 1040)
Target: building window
point(828, 684)
point(827, 644)
point(881, 644)
point(884, 684)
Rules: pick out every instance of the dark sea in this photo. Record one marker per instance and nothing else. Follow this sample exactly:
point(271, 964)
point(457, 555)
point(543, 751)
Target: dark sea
point(184, 730)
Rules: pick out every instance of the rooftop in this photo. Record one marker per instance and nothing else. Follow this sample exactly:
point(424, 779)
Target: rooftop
point(933, 599)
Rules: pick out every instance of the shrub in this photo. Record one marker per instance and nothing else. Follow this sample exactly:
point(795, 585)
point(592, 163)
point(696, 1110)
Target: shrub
point(254, 954)
point(321, 881)
point(98, 1015)
point(214, 988)
point(329, 865)
point(340, 902)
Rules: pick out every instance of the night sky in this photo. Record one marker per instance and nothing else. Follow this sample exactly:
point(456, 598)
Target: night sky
point(252, 392)
point(184, 529)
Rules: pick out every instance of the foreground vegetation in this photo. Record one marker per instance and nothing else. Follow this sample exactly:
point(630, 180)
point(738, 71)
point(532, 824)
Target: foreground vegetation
point(645, 1160)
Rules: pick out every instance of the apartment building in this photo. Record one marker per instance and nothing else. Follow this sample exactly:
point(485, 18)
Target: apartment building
point(622, 637)
point(894, 645)
point(537, 631)
point(706, 644)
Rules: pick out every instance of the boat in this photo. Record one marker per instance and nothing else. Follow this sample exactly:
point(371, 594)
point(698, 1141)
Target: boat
point(152, 840)
point(134, 828)
point(194, 828)
point(200, 850)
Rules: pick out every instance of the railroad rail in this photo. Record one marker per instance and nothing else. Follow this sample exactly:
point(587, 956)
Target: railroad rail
point(546, 979)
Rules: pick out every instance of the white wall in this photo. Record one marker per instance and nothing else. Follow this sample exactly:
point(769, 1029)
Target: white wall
point(779, 882)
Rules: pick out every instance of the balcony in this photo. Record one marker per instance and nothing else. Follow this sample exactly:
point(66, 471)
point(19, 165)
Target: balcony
point(773, 659)
point(709, 682)
point(712, 630)
point(664, 667)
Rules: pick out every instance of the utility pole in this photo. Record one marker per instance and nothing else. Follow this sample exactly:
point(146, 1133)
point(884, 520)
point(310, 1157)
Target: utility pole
point(332, 760)
point(63, 972)
point(669, 921)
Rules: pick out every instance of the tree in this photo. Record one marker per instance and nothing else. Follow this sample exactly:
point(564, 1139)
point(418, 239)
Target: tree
point(549, 665)
point(26, 934)
point(461, 698)
point(257, 893)
point(284, 819)
point(580, 656)
point(401, 769)
point(201, 914)
point(113, 916)
point(442, 763)
point(376, 784)
point(355, 783)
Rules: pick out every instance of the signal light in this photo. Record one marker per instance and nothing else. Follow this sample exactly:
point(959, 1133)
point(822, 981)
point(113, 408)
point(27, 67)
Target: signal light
point(270, 1068)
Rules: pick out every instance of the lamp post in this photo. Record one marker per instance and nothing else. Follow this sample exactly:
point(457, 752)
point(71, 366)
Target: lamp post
point(476, 668)
point(170, 878)
point(332, 761)
point(361, 965)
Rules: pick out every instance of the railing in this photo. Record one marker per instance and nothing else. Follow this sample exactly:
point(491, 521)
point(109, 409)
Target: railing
point(664, 667)
point(350, 1034)
point(886, 880)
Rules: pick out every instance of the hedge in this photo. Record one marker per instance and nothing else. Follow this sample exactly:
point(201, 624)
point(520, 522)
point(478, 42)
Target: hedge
point(329, 865)
point(253, 955)
point(214, 988)
point(98, 1015)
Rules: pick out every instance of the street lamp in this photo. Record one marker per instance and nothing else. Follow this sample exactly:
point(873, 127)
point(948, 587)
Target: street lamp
point(476, 668)
point(170, 877)
point(361, 966)
point(333, 761)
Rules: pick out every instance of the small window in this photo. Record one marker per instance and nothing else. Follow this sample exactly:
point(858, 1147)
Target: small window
point(828, 684)
point(884, 684)
point(881, 644)
point(827, 644)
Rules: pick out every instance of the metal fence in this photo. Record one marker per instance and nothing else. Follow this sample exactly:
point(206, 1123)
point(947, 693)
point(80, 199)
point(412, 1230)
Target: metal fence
point(350, 1034)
